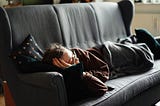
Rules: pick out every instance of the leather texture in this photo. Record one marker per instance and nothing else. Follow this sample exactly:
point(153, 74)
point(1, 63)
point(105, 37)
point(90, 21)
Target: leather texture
point(73, 25)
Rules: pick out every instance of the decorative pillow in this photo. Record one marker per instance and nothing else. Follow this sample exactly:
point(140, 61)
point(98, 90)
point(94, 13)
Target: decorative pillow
point(144, 36)
point(27, 51)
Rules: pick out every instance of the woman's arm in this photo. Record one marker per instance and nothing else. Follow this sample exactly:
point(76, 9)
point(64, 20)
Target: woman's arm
point(93, 63)
point(95, 85)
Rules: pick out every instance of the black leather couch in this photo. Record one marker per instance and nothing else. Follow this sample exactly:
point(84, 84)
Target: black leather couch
point(73, 25)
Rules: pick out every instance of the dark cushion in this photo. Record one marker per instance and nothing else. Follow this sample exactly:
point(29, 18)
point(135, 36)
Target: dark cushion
point(76, 89)
point(144, 36)
point(27, 51)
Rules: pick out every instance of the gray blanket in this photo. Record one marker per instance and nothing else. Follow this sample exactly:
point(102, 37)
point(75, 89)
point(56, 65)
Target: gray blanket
point(124, 59)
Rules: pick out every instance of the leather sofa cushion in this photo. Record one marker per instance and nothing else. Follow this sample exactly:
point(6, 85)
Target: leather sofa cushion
point(40, 21)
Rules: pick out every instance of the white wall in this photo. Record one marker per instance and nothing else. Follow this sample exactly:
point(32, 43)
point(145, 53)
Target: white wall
point(3, 2)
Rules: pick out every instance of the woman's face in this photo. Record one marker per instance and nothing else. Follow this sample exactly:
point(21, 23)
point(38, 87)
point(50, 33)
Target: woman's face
point(69, 57)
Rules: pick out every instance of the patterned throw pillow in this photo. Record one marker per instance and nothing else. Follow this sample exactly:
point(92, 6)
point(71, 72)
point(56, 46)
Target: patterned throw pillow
point(27, 51)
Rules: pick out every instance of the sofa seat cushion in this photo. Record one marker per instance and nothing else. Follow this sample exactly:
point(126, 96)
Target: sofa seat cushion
point(126, 88)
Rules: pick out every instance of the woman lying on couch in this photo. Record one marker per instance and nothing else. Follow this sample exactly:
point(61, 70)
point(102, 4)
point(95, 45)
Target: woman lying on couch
point(99, 65)
point(95, 69)
point(102, 62)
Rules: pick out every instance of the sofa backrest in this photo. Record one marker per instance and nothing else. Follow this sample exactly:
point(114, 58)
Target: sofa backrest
point(39, 21)
point(78, 24)
point(85, 25)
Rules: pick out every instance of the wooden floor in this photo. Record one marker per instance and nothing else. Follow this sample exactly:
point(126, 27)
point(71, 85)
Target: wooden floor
point(2, 100)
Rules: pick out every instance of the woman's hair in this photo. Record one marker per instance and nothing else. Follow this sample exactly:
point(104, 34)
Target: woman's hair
point(55, 50)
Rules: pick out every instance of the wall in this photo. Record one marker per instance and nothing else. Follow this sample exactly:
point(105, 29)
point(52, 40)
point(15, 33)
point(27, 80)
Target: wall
point(3, 2)
point(147, 16)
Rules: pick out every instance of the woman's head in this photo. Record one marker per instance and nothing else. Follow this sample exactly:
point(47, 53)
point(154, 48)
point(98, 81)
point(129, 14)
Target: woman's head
point(60, 56)
point(53, 51)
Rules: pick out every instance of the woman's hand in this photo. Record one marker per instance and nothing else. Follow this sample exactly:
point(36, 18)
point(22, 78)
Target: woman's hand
point(61, 63)
point(94, 84)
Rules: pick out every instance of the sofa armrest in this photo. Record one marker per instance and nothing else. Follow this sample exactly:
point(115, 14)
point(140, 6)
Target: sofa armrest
point(52, 81)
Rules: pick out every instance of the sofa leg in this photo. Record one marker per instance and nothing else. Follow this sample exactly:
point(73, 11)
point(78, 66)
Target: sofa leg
point(7, 95)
